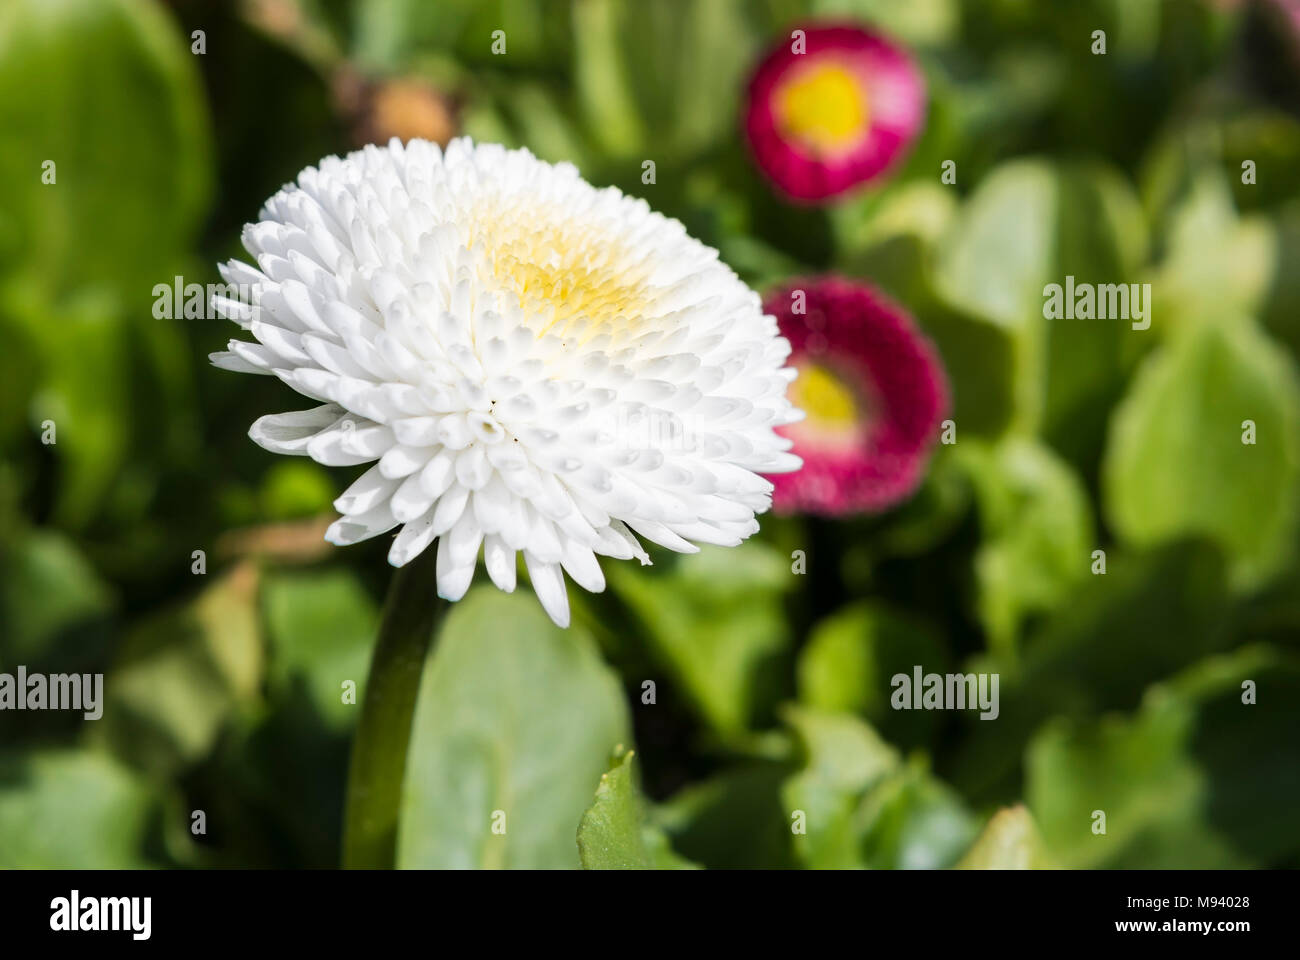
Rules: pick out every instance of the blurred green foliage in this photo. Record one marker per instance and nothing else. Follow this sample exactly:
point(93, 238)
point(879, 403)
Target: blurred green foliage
point(1121, 692)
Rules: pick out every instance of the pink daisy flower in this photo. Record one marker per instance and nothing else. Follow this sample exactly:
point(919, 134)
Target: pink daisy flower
point(831, 109)
point(874, 392)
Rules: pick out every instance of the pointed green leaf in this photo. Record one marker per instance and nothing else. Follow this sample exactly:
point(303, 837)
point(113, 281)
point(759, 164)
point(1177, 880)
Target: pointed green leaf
point(614, 833)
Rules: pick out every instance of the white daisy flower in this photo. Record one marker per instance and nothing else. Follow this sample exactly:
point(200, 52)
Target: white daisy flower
point(531, 363)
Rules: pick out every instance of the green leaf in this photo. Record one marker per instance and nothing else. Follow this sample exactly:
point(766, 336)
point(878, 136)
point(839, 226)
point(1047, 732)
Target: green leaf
point(321, 625)
point(1010, 841)
point(843, 759)
point(513, 727)
point(71, 810)
point(1146, 618)
point(602, 77)
point(391, 35)
point(1030, 224)
point(610, 833)
point(1199, 777)
point(850, 657)
point(854, 804)
point(1219, 265)
point(544, 127)
point(1280, 313)
point(922, 23)
point(735, 820)
point(47, 589)
point(1001, 252)
point(183, 673)
point(712, 49)
point(108, 90)
point(913, 821)
point(919, 208)
point(715, 621)
point(675, 67)
point(614, 833)
point(81, 346)
point(889, 238)
point(980, 360)
point(1036, 523)
point(1212, 143)
point(1176, 464)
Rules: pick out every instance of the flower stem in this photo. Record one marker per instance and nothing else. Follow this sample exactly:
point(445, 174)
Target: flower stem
point(410, 619)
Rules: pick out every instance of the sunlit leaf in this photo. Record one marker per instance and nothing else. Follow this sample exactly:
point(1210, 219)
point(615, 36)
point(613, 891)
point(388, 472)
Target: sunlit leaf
point(515, 721)
point(1010, 841)
point(71, 809)
point(1208, 443)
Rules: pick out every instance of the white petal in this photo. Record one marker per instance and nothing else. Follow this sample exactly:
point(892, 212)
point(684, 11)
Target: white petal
point(410, 500)
point(416, 431)
point(449, 508)
point(367, 491)
point(413, 540)
point(402, 461)
point(500, 562)
point(581, 564)
point(362, 526)
point(229, 360)
point(330, 447)
point(658, 533)
point(291, 432)
point(548, 583)
point(457, 557)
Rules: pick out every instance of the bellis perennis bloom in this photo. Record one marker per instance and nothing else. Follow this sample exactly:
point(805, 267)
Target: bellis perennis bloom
point(533, 364)
point(832, 107)
point(874, 392)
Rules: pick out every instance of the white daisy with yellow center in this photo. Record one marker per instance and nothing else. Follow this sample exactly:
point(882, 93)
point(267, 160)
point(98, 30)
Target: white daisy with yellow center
point(532, 364)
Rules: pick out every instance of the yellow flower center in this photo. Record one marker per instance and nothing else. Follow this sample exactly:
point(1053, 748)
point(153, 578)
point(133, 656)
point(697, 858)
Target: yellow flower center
point(829, 402)
point(824, 107)
point(564, 269)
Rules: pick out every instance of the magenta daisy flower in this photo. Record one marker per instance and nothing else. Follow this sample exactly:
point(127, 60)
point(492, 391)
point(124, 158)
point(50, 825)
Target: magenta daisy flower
point(831, 109)
point(874, 392)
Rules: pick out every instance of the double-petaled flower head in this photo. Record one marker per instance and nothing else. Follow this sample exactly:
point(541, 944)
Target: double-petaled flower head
point(532, 365)
point(832, 108)
point(874, 392)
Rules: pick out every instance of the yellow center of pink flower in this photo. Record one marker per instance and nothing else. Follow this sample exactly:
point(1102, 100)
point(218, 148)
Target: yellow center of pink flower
point(834, 410)
point(823, 106)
